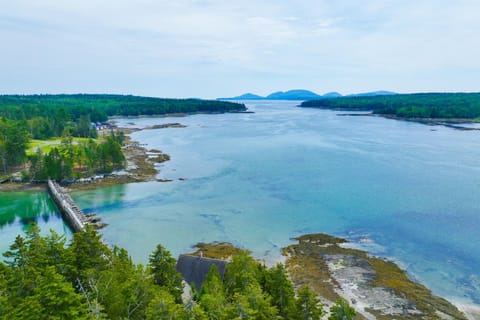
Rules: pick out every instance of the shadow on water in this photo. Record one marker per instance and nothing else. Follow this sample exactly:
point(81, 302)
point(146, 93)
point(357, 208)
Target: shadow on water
point(26, 207)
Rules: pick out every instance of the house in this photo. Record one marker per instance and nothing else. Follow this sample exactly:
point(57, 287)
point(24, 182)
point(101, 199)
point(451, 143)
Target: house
point(194, 269)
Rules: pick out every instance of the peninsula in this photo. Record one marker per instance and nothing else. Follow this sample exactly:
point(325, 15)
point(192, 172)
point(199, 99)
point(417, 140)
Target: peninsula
point(426, 107)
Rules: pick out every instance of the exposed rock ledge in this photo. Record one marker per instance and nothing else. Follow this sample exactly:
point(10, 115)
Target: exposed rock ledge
point(377, 288)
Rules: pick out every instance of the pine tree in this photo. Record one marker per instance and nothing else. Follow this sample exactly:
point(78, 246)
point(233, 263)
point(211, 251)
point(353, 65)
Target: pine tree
point(163, 307)
point(281, 291)
point(252, 303)
point(124, 288)
point(53, 298)
point(165, 274)
point(308, 305)
point(87, 256)
point(212, 295)
point(341, 310)
point(241, 272)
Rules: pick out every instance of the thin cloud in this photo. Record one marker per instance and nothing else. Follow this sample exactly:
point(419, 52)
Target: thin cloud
point(209, 48)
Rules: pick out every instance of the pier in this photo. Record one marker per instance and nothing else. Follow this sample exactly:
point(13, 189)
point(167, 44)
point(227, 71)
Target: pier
point(71, 213)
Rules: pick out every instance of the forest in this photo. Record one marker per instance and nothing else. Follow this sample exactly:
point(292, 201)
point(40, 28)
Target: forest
point(26, 117)
point(100, 106)
point(44, 277)
point(418, 105)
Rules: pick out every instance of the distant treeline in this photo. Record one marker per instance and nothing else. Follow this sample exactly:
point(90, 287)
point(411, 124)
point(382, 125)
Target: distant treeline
point(24, 117)
point(418, 105)
point(49, 115)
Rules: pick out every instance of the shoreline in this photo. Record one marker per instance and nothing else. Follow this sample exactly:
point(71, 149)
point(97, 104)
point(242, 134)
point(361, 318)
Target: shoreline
point(453, 123)
point(376, 287)
point(140, 153)
point(140, 167)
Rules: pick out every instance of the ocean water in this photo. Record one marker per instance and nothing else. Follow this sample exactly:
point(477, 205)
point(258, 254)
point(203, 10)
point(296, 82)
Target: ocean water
point(19, 209)
point(402, 190)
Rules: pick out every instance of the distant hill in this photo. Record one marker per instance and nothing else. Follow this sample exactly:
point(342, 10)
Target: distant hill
point(332, 95)
point(372, 94)
point(302, 94)
point(293, 95)
point(298, 94)
point(246, 96)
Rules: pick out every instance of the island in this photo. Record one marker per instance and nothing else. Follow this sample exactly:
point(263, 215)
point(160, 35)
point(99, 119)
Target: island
point(423, 107)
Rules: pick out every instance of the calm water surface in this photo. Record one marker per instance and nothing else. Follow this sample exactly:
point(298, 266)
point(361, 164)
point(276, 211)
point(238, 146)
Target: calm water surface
point(402, 190)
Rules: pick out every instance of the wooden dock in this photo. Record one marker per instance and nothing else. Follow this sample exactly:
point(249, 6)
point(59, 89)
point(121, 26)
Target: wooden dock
point(71, 213)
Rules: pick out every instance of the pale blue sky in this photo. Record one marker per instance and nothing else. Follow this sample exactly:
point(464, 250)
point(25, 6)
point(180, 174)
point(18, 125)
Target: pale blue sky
point(213, 48)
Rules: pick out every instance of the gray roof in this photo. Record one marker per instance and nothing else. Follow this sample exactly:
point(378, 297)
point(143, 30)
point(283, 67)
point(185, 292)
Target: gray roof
point(194, 269)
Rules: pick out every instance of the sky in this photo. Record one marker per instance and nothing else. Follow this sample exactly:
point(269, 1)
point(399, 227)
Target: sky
point(222, 48)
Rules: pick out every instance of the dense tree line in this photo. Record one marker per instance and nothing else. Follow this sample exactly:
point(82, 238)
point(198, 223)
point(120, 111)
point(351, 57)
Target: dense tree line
point(71, 161)
point(420, 105)
point(43, 277)
point(24, 117)
point(62, 109)
point(14, 140)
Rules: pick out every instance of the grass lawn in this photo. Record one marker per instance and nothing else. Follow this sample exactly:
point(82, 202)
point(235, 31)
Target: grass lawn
point(46, 145)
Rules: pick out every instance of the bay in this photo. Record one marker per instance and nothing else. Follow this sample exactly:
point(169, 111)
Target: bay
point(402, 190)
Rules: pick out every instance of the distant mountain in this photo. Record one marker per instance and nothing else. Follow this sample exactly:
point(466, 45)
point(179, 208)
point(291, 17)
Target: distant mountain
point(246, 96)
point(301, 94)
point(332, 95)
point(372, 94)
point(298, 94)
point(293, 95)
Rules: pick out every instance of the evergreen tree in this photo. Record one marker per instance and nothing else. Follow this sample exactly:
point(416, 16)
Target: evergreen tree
point(341, 310)
point(87, 256)
point(165, 274)
point(163, 307)
point(124, 288)
point(308, 305)
point(212, 296)
point(281, 291)
point(52, 298)
point(5, 306)
point(241, 272)
point(252, 303)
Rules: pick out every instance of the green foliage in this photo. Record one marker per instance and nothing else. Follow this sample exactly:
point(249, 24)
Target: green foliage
point(163, 307)
point(212, 296)
point(46, 278)
point(241, 272)
point(252, 303)
point(308, 305)
point(281, 291)
point(14, 140)
point(341, 310)
point(125, 289)
point(419, 105)
point(87, 256)
point(165, 274)
point(47, 116)
point(70, 161)
point(52, 298)
point(36, 285)
point(50, 115)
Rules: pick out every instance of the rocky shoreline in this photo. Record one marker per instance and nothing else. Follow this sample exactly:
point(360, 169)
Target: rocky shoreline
point(377, 288)
point(140, 167)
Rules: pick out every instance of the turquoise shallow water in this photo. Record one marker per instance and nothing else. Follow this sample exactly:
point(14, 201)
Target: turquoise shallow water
point(402, 190)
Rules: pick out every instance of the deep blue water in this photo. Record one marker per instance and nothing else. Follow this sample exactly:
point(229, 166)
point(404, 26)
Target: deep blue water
point(402, 190)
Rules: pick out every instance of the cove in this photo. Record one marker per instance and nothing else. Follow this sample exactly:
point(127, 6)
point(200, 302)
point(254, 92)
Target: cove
point(401, 190)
